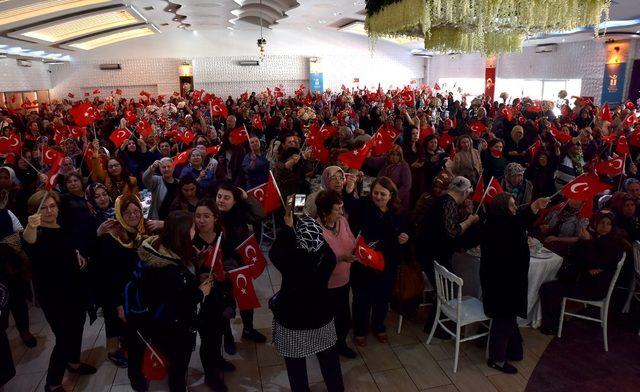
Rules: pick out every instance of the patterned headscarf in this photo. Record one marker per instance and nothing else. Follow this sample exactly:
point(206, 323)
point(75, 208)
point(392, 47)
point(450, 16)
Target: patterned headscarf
point(128, 236)
point(309, 234)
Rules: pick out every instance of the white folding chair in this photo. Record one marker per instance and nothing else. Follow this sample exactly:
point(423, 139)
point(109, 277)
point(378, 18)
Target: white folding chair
point(602, 304)
point(634, 288)
point(427, 288)
point(461, 310)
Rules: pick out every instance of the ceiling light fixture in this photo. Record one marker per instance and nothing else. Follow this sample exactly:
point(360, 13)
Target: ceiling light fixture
point(71, 28)
point(111, 38)
point(43, 8)
point(262, 43)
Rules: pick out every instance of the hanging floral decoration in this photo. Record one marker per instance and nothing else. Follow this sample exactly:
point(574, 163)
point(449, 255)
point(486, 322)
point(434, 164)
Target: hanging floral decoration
point(487, 26)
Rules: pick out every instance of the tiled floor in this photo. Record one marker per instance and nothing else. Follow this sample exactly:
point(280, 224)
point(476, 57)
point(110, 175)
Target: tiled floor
point(405, 364)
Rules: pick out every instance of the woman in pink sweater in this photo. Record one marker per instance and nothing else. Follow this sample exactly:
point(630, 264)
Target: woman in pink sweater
point(340, 239)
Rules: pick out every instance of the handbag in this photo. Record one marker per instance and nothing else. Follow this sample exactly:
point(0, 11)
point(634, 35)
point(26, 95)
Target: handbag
point(409, 282)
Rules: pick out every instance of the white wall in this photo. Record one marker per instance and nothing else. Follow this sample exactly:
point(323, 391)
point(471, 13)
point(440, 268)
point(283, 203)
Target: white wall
point(576, 60)
point(16, 78)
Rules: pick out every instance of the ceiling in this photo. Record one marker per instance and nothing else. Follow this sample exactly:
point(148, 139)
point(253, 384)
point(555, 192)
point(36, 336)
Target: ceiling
point(70, 28)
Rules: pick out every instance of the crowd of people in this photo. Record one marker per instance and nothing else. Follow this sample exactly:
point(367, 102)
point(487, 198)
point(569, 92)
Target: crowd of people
point(134, 209)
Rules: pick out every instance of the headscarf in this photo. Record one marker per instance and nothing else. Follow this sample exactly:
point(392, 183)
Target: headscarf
point(90, 196)
point(513, 168)
point(127, 236)
point(328, 172)
point(4, 193)
point(309, 234)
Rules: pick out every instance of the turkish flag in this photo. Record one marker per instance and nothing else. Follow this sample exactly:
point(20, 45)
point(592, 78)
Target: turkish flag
point(256, 122)
point(535, 108)
point(493, 190)
point(533, 150)
point(77, 132)
point(70, 95)
point(583, 187)
point(83, 114)
point(188, 136)
point(630, 120)
point(278, 92)
point(445, 140)
point(243, 290)
point(354, 159)
point(53, 175)
point(251, 254)
point(267, 194)
point(506, 113)
point(118, 91)
point(11, 144)
point(478, 127)
point(629, 105)
point(181, 158)
point(622, 147)
point(154, 364)
point(634, 138)
point(388, 104)
point(368, 256)
point(408, 98)
point(96, 91)
point(51, 156)
point(479, 191)
point(308, 100)
point(130, 116)
point(218, 108)
point(119, 136)
point(60, 133)
point(244, 96)
point(425, 131)
point(213, 150)
point(611, 167)
point(605, 113)
point(144, 128)
point(238, 135)
point(383, 139)
point(436, 87)
point(561, 136)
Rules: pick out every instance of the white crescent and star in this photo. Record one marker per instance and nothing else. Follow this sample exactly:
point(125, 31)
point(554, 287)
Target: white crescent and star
point(252, 257)
point(243, 288)
point(579, 187)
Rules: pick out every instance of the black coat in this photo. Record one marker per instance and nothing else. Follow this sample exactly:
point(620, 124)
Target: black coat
point(504, 265)
point(303, 299)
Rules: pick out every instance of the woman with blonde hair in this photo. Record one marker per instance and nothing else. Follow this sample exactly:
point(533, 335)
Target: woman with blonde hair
point(60, 285)
point(467, 161)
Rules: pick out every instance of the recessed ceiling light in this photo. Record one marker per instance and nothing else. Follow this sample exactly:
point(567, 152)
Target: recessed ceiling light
point(638, 32)
point(322, 21)
point(195, 32)
point(308, 27)
point(563, 40)
point(337, 13)
point(43, 8)
point(229, 28)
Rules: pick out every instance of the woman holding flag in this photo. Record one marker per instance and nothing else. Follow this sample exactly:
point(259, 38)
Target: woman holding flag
point(172, 291)
point(217, 308)
point(237, 213)
point(379, 221)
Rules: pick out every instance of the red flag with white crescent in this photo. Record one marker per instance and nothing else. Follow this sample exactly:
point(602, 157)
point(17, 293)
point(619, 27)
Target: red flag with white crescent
point(119, 136)
point(611, 167)
point(182, 158)
point(267, 194)
point(583, 187)
point(239, 135)
point(243, 290)
point(368, 256)
point(622, 147)
point(51, 156)
point(355, 158)
point(251, 255)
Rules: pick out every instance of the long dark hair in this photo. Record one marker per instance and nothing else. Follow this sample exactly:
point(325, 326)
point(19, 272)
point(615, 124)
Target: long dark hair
point(125, 175)
point(176, 235)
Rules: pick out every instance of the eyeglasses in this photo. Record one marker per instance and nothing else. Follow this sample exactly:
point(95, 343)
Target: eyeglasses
point(113, 165)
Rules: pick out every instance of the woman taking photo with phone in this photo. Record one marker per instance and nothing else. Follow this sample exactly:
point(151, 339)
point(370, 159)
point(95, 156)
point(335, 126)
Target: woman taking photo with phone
point(302, 316)
point(60, 285)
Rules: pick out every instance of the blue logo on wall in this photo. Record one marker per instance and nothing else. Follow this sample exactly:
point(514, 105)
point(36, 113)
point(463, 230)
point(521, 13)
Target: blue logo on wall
point(613, 83)
point(315, 82)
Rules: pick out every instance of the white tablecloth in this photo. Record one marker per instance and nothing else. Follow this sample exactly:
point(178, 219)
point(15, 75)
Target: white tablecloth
point(467, 266)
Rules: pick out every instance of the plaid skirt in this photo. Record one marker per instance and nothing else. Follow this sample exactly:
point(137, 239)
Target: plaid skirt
point(300, 343)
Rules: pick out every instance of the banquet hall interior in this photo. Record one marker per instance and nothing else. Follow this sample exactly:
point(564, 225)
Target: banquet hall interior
point(178, 70)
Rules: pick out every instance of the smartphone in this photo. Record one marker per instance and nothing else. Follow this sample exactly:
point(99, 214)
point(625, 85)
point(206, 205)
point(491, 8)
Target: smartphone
point(298, 204)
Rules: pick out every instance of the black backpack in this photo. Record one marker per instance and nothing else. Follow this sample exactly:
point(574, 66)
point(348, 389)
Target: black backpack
point(136, 308)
